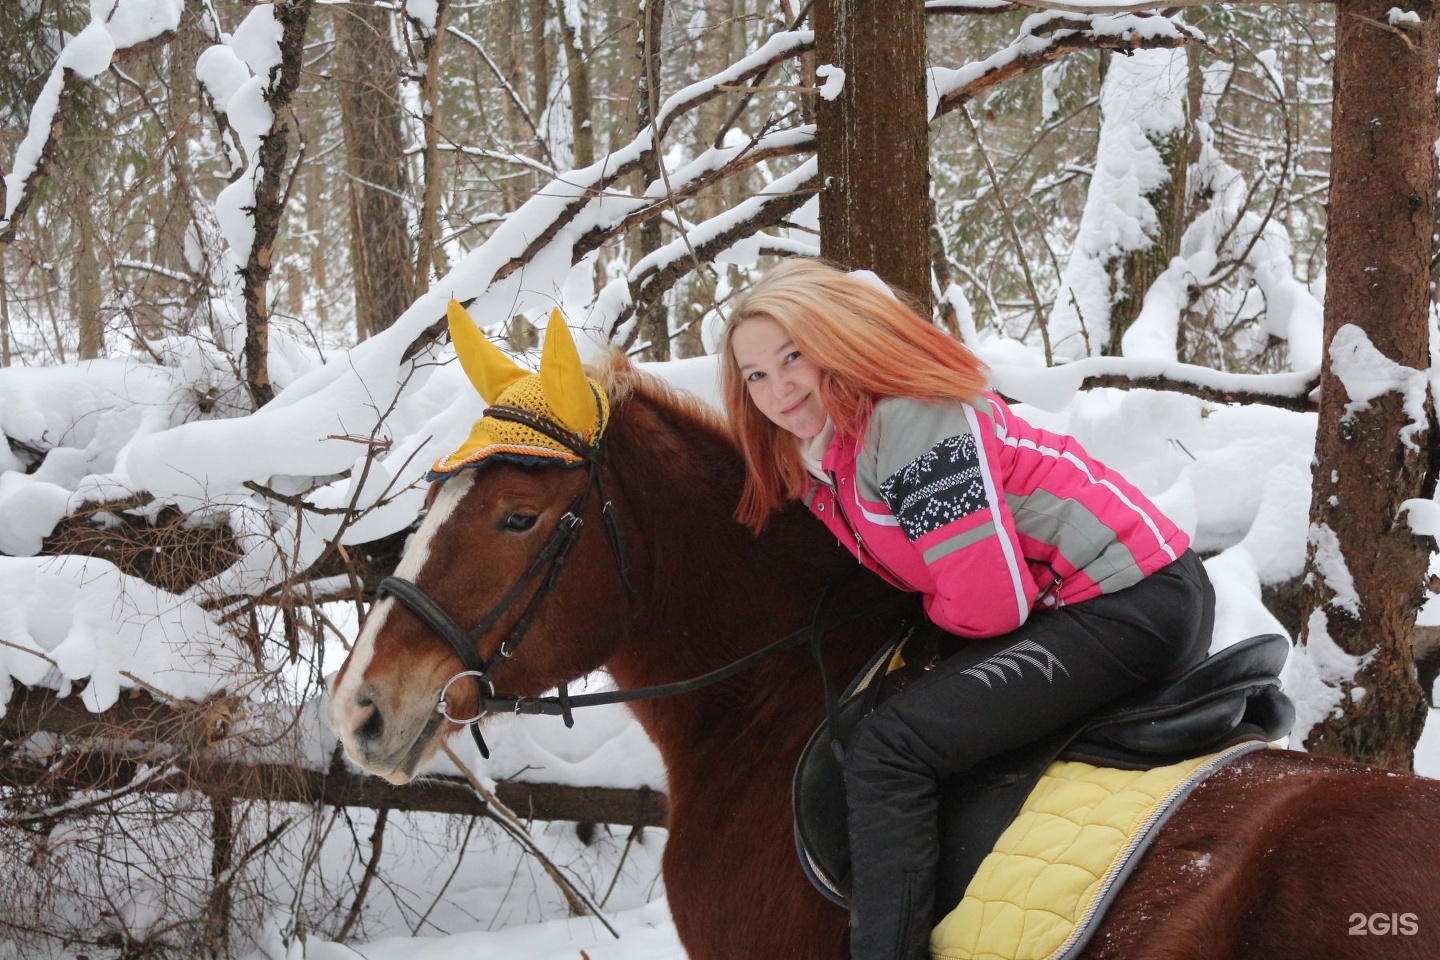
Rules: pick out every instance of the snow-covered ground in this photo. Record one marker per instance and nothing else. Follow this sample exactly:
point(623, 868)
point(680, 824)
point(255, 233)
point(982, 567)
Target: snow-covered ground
point(1237, 478)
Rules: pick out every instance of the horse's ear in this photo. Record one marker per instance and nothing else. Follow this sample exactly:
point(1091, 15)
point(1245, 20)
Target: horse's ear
point(487, 366)
point(567, 390)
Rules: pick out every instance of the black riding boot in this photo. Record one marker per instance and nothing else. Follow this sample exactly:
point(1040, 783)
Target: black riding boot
point(991, 697)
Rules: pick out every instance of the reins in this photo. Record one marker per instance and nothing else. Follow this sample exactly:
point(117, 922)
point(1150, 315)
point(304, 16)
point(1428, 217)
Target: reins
point(557, 706)
point(546, 566)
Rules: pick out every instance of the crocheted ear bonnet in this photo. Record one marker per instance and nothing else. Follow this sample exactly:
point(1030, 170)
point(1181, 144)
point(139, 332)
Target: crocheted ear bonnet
point(560, 395)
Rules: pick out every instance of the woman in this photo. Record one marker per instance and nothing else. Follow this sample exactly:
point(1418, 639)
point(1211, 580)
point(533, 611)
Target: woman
point(1069, 587)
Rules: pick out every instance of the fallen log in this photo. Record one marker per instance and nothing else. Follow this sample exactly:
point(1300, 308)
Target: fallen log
point(186, 753)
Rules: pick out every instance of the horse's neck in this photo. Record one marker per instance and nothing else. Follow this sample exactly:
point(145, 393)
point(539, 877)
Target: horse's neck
point(716, 593)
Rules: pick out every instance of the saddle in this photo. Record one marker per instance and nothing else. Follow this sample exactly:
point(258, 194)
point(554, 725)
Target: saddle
point(1230, 697)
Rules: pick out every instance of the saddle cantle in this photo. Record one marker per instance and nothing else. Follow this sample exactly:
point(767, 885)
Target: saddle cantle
point(1230, 697)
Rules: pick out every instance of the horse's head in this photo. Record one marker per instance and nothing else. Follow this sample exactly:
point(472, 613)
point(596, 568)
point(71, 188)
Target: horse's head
point(484, 569)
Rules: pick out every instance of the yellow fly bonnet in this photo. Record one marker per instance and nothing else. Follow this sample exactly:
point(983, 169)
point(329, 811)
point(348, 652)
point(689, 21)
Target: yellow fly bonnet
point(547, 418)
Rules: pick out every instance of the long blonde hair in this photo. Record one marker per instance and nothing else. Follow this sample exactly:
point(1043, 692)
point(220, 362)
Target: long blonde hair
point(867, 344)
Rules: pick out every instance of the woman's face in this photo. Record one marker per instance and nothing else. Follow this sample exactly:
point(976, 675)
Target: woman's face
point(782, 383)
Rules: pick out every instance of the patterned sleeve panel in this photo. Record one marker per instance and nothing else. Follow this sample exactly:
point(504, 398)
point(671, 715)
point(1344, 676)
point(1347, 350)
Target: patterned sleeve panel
point(937, 488)
point(942, 482)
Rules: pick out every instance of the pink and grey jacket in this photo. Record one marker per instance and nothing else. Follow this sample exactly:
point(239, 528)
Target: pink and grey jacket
point(986, 515)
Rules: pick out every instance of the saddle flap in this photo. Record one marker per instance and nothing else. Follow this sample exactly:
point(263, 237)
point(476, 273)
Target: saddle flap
point(821, 814)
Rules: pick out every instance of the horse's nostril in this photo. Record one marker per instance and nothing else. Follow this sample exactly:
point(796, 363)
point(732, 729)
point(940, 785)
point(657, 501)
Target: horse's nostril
point(374, 725)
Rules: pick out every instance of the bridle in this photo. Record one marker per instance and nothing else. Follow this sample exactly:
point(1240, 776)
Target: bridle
point(546, 567)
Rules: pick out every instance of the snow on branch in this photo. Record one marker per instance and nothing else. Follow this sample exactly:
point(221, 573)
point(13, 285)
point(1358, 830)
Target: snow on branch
point(779, 48)
point(1047, 36)
point(124, 27)
point(972, 6)
point(706, 241)
point(1051, 388)
point(1122, 6)
point(709, 168)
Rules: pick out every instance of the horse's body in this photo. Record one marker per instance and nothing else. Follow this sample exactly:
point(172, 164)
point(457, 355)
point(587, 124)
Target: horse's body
point(1274, 857)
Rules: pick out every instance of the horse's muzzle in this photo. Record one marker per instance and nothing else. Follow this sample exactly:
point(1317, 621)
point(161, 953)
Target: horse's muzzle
point(389, 743)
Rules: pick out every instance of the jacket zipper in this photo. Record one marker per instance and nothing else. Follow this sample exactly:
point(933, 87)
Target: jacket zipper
point(860, 547)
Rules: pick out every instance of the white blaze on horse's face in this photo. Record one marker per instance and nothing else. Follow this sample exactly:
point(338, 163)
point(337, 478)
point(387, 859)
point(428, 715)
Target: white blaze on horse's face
point(392, 737)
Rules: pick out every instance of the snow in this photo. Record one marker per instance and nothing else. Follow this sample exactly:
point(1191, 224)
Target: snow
point(358, 430)
point(88, 53)
point(1423, 516)
point(222, 73)
point(1017, 371)
point(114, 25)
point(1366, 374)
point(1154, 333)
point(644, 933)
point(72, 618)
point(257, 40)
point(425, 13)
point(1141, 105)
point(834, 80)
point(135, 21)
point(1315, 676)
point(1396, 16)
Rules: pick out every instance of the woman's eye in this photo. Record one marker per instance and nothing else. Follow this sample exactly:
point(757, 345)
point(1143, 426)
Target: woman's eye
point(519, 522)
point(754, 377)
point(792, 356)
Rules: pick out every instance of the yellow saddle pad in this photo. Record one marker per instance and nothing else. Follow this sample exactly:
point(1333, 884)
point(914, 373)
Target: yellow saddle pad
point(1045, 887)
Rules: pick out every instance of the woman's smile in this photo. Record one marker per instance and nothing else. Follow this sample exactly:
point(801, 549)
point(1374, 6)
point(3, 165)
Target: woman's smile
point(782, 382)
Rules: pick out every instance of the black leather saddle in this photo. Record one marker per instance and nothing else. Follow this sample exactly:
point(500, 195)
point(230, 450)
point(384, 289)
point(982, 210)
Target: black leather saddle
point(1230, 697)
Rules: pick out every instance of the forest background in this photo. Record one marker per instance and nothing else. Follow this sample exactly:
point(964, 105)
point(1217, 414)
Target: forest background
point(212, 204)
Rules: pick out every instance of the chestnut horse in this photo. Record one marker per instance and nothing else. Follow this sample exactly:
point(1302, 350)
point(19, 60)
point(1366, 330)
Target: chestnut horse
point(1280, 855)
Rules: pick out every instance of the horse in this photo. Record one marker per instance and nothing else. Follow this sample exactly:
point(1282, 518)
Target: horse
point(1279, 855)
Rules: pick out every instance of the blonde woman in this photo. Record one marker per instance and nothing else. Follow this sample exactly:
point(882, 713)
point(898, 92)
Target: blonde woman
point(1065, 586)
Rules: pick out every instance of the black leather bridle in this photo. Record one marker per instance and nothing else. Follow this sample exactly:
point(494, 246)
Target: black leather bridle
point(546, 567)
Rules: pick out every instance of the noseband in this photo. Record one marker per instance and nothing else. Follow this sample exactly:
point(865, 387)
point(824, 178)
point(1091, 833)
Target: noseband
point(545, 567)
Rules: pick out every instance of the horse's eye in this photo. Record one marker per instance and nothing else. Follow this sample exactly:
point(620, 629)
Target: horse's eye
point(519, 522)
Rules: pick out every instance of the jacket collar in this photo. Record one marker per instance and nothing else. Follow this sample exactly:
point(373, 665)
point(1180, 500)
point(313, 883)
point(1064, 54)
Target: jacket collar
point(815, 452)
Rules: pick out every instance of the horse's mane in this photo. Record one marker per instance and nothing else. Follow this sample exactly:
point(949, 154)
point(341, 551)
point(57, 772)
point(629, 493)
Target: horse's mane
point(621, 380)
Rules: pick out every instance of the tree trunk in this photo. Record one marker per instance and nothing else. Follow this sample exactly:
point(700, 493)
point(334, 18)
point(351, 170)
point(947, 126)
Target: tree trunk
point(275, 167)
point(1365, 566)
point(1141, 268)
point(653, 326)
point(1134, 207)
point(5, 295)
point(316, 202)
point(86, 298)
point(427, 236)
point(873, 140)
point(577, 65)
point(380, 250)
point(536, 13)
point(222, 860)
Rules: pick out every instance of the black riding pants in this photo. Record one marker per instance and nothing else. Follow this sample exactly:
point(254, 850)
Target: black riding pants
point(990, 697)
